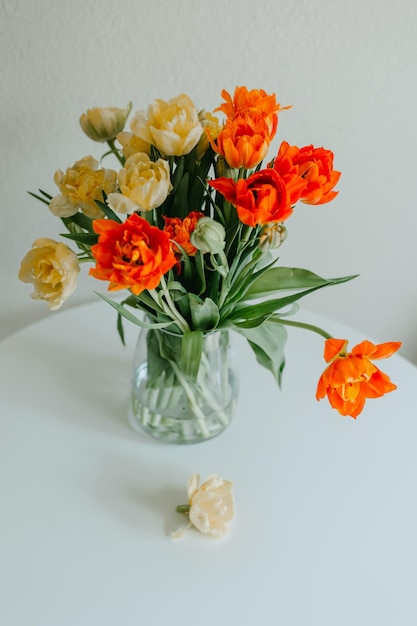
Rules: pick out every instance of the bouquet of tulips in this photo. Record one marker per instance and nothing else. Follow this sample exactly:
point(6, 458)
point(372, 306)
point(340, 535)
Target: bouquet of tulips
point(188, 223)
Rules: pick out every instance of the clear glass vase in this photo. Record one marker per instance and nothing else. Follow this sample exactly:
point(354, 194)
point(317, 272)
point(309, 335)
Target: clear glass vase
point(173, 404)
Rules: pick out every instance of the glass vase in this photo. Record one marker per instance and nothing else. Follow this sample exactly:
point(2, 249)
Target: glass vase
point(173, 404)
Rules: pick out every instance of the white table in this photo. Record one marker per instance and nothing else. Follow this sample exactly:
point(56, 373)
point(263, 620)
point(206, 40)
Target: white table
point(326, 525)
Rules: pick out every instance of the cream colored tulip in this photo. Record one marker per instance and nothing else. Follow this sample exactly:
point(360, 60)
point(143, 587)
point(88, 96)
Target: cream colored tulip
point(52, 268)
point(173, 127)
point(210, 508)
point(104, 123)
point(81, 185)
point(143, 184)
point(131, 144)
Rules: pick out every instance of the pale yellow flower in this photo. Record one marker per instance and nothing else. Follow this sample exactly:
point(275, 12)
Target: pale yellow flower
point(173, 127)
point(80, 186)
point(53, 270)
point(210, 507)
point(144, 184)
point(131, 144)
point(211, 123)
point(104, 123)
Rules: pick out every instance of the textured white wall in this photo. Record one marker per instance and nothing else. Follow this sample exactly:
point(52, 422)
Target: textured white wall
point(348, 68)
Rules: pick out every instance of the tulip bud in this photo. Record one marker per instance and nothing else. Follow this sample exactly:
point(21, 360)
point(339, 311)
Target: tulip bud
point(208, 236)
point(272, 236)
point(104, 123)
point(211, 123)
point(222, 169)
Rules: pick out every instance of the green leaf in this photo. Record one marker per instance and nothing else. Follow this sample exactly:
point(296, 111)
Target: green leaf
point(88, 239)
point(175, 285)
point(80, 220)
point(199, 266)
point(120, 328)
point(108, 212)
point(48, 202)
point(129, 316)
point(268, 343)
point(180, 206)
point(178, 173)
point(191, 350)
point(287, 279)
point(256, 313)
point(204, 313)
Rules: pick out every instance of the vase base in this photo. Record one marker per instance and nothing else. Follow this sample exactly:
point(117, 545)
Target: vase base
point(179, 430)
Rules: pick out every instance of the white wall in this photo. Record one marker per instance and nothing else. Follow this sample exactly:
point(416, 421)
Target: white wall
point(348, 68)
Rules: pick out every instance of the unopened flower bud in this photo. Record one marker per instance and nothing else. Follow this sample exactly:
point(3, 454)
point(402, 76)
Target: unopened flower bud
point(272, 236)
point(211, 123)
point(208, 236)
point(104, 123)
point(223, 169)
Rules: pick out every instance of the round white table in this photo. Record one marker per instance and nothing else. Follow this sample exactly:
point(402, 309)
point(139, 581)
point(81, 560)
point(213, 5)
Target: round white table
point(325, 530)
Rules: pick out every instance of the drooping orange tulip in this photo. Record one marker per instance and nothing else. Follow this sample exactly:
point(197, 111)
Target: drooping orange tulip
point(352, 378)
point(314, 166)
point(132, 254)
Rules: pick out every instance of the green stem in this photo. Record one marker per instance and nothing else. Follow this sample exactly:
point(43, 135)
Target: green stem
point(183, 508)
point(182, 323)
point(312, 327)
point(115, 151)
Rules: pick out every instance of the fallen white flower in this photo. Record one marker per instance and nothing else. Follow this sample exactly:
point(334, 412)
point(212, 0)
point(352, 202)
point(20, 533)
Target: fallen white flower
point(210, 507)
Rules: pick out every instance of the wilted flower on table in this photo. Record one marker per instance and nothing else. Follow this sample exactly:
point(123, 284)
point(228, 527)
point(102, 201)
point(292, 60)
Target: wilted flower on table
point(179, 231)
point(210, 507)
point(261, 198)
point(53, 270)
point(144, 184)
point(132, 254)
point(208, 236)
point(173, 127)
point(80, 187)
point(103, 123)
point(314, 166)
point(352, 378)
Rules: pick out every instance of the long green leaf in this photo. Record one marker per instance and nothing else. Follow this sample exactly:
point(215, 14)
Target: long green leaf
point(287, 279)
point(80, 220)
point(262, 310)
point(88, 239)
point(129, 316)
point(108, 212)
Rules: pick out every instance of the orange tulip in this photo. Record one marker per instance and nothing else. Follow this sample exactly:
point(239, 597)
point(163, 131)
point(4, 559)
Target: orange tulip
point(243, 142)
point(261, 198)
point(254, 101)
point(312, 165)
point(179, 231)
point(352, 378)
point(131, 255)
